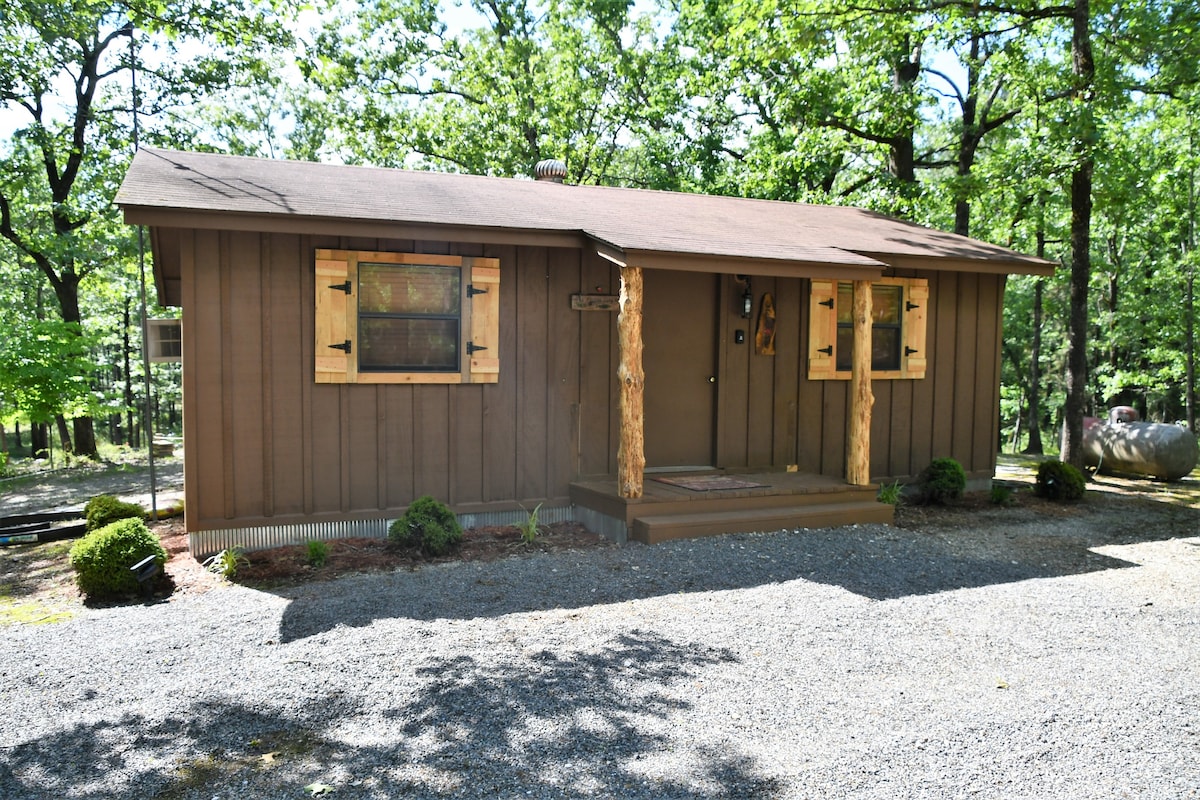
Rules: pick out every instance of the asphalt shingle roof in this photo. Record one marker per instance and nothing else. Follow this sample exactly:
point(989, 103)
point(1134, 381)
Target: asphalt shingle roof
point(625, 219)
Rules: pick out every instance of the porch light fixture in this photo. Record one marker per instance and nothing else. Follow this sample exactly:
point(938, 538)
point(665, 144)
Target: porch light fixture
point(747, 297)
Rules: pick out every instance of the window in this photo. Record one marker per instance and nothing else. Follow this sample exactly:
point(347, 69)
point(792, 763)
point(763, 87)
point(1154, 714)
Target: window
point(898, 316)
point(406, 318)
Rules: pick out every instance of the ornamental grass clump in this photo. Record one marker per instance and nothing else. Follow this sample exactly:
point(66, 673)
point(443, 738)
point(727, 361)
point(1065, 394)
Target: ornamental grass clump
point(105, 509)
point(102, 559)
point(1057, 480)
point(427, 524)
point(942, 481)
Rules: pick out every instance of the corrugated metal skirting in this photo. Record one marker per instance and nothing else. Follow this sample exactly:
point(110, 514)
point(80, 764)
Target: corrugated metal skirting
point(204, 543)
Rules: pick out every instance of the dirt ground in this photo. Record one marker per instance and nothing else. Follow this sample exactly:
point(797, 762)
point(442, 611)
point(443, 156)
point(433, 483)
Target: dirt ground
point(37, 586)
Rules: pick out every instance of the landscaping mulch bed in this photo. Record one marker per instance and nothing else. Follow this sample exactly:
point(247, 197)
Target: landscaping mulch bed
point(288, 566)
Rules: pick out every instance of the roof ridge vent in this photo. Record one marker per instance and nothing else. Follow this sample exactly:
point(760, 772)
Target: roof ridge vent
point(550, 169)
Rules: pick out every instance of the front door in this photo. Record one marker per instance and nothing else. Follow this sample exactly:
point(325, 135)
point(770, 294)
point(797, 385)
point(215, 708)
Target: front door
point(679, 334)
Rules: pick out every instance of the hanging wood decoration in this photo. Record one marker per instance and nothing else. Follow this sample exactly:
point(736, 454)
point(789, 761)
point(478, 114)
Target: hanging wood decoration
point(764, 337)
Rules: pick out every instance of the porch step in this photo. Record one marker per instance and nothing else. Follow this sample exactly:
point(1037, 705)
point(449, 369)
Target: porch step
point(654, 528)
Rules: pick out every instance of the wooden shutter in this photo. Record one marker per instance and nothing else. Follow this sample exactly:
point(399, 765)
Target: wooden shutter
point(916, 315)
point(822, 331)
point(334, 315)
point(484, 335)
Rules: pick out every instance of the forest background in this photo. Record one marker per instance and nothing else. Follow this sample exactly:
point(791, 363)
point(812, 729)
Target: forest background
point(1066, 130)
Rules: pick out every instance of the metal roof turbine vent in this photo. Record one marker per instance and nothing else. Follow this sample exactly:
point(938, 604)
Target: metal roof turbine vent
point(550, 169)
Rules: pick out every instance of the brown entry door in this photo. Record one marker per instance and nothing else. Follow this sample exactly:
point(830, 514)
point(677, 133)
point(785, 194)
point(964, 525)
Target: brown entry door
point(679, 332)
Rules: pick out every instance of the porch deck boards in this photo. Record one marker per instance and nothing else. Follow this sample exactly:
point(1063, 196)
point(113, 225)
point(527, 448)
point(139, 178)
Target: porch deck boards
point(786, 499)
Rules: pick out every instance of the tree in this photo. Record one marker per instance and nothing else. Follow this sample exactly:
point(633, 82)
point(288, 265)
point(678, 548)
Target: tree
point(60, 66)
point(573, 80)
point(43, 369)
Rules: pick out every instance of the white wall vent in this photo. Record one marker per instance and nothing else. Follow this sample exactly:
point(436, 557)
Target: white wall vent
point(164, 340)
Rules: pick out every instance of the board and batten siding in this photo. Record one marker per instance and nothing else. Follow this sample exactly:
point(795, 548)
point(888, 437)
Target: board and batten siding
point(772, 416)
point(266, 445)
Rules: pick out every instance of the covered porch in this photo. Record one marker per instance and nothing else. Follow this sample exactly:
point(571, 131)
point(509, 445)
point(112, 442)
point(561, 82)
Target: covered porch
point(688, 504)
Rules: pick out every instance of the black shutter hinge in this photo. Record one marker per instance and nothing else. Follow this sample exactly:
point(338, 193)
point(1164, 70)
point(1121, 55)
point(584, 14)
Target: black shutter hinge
point(472, 291)
point(908, 351)
point(826, 350)
point(909, 305)
point(341, 287)
point(473, 348)
point(827, 303)
point(344, 346)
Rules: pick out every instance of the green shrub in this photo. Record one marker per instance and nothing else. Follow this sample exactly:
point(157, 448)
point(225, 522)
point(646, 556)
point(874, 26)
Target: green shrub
point(942, 481)
point(427, 524)
point(102, 558)
point(318, 553)
point(1057, 480)
point(105, 509)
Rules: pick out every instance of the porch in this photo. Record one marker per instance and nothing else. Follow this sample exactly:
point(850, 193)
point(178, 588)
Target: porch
point(682, 505)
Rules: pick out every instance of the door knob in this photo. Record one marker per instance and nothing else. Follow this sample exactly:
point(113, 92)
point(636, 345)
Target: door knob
point(712, 378)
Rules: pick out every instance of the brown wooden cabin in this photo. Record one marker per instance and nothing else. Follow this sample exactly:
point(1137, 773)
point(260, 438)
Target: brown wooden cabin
point(317, 404)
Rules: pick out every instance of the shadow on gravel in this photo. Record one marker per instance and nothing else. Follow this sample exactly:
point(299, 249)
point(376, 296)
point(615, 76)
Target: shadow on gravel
point(877, 562)
point(545, 724)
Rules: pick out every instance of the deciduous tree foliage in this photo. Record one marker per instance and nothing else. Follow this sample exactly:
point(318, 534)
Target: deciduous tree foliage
point(578, 80)
point(65, 73)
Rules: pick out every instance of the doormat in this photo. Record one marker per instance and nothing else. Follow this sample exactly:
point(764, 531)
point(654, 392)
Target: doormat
point(708, 483)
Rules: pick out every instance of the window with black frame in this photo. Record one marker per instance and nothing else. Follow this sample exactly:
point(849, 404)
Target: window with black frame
point(409, 317)
point(886, 326)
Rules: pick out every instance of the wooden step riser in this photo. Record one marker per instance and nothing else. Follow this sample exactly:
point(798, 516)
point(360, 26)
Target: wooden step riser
point(667, 527)
point(633, 509)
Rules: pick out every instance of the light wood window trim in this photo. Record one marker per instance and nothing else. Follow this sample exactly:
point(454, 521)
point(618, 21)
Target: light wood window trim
point(822, 330)
point(336, 318)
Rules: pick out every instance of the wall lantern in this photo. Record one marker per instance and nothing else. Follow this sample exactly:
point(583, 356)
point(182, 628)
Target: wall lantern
point(747, 296)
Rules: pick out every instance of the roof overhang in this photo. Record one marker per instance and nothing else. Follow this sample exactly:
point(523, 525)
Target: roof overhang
point(344, 226)
point(1019, 266)
point(736, 265)
point(166, 226)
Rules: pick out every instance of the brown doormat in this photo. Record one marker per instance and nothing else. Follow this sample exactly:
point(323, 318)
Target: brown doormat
point(708, 483)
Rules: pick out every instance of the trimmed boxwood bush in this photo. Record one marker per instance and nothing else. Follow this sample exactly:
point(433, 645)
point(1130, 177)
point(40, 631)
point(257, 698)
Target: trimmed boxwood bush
point(102, 558)
point(1058, 480)
point(942, 481)
point(429, 525)
point(105, 509)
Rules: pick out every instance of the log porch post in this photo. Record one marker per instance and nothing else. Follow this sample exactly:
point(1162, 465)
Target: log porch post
point(631, 451)
point(858, 444)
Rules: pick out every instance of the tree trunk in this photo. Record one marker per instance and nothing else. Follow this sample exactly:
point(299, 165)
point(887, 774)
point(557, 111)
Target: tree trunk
point(968, 143)
point(64, 435)
point(1084, 71)
point(1035, 447)
point(128, 378)
point(858, 446)
point(39, 440)
point(631, 451)
point(902, 156)
point(66, 289)
point(17, 432)
point(1190, 335)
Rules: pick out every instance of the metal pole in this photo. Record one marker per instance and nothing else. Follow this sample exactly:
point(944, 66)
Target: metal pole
point(148, 424)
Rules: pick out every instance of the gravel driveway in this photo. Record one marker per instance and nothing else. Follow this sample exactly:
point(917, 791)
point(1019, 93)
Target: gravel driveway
point(1004, 656)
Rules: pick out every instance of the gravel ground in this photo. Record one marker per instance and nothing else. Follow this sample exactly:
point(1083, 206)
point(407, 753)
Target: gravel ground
point(1008, 657)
